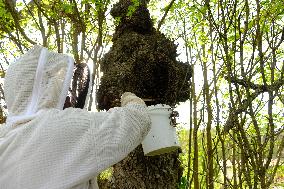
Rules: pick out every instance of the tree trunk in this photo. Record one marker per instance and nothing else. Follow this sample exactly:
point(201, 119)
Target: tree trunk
point(140, 172)
point(142, 61)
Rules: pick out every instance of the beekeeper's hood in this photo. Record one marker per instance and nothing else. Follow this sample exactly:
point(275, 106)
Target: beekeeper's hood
point(38, 80)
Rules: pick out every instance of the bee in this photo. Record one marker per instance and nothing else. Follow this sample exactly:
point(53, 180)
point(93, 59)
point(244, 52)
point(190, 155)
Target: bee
point(173, 117)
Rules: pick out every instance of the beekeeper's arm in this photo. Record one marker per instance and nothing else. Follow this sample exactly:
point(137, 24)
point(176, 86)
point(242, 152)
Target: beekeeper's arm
point(69, 147)
point(90, 142)
point(120, 130)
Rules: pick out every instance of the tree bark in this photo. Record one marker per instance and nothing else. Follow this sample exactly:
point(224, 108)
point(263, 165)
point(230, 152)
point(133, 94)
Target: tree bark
point(137, 171)
point(142, 61)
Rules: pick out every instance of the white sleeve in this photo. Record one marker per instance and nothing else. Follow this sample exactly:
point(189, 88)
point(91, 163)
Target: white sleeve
point(61, 149)
point(114, 134)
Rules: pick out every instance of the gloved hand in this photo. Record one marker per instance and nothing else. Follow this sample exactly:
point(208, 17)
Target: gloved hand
point(130, 98)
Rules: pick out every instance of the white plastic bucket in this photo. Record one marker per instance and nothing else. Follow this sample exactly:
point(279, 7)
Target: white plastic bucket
point(162, 136)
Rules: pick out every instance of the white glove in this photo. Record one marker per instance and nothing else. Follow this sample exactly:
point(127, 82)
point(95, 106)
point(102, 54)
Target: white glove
point(130, 98)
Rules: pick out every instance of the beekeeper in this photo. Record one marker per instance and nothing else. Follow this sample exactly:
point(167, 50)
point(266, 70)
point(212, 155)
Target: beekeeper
point(43, 146)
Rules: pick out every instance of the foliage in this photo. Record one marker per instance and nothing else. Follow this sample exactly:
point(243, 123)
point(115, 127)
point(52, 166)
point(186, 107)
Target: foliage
point(239, 49)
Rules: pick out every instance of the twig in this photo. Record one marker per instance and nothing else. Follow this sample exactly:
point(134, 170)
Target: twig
point(165, 14)
point(10, 7)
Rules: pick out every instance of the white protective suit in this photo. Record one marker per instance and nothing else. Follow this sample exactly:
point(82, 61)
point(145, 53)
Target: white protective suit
point(43, 146)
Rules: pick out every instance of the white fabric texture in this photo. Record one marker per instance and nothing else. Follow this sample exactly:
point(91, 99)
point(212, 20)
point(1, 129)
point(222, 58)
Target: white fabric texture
point(45, 147)
point(130, 98)
point(38, 80)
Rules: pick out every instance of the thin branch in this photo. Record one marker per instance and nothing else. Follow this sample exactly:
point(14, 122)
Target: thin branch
point(165, 14)
point(259, 88)
point(11, 8)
